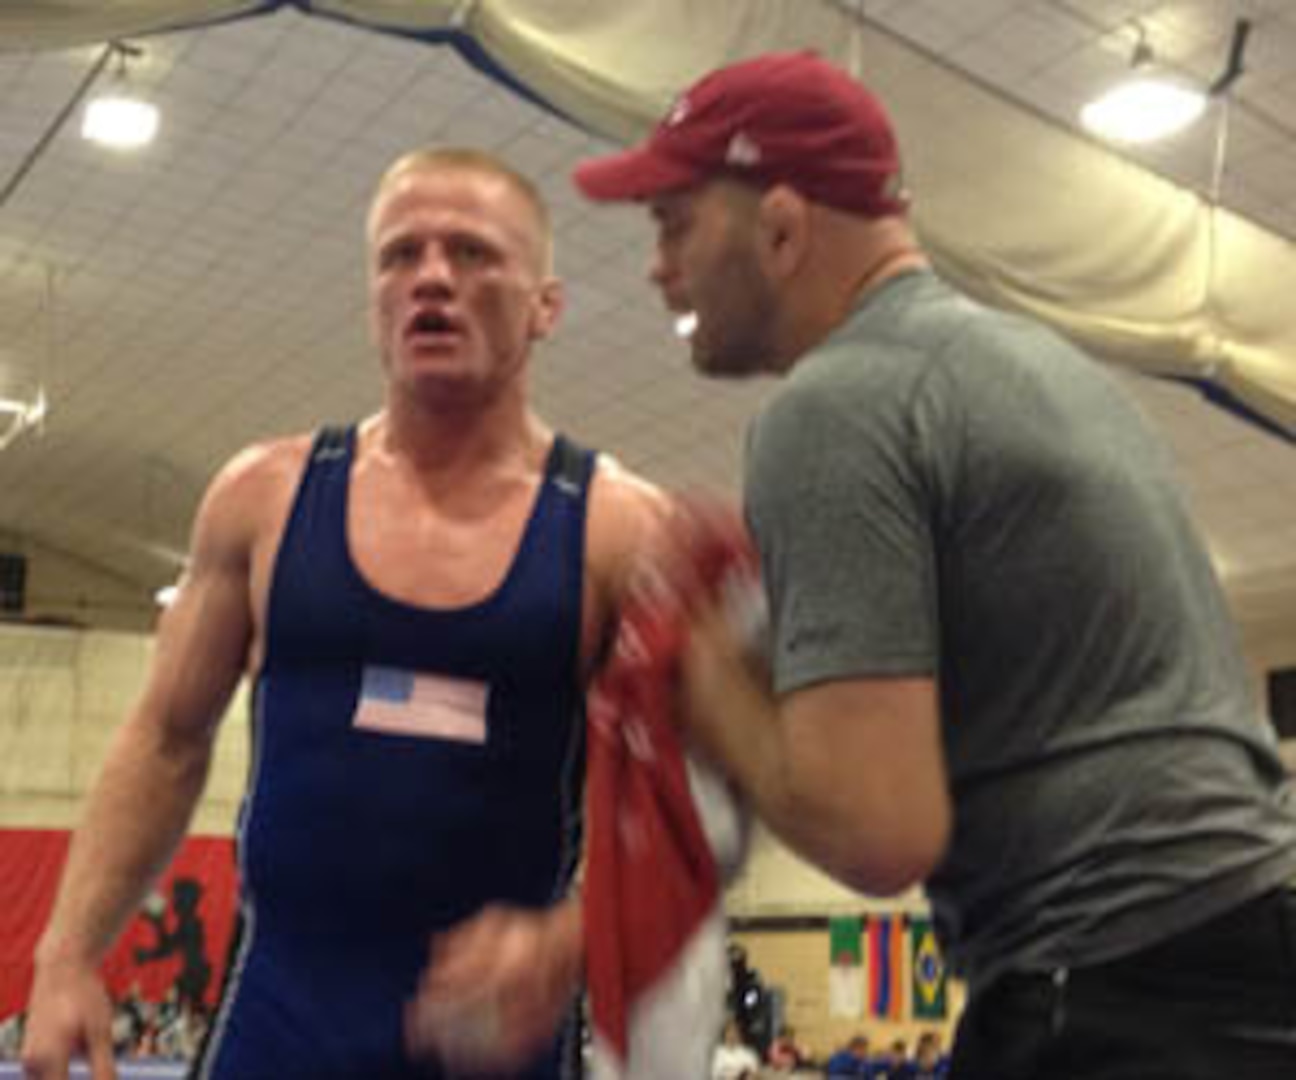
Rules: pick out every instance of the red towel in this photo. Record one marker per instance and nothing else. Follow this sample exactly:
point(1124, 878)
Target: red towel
point(663, 830)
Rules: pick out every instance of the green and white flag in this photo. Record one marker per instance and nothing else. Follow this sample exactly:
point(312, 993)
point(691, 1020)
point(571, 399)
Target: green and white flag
point(845, 967)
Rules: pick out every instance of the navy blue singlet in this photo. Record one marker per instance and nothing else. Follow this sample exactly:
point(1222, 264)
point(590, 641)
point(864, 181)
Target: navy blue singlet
point(409, 765)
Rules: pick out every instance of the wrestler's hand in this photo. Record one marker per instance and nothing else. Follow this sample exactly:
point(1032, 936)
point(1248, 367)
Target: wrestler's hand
point(496, 988)
point(69, 1013)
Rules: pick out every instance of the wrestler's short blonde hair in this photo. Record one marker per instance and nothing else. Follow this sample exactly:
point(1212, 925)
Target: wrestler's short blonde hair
point(463, 159)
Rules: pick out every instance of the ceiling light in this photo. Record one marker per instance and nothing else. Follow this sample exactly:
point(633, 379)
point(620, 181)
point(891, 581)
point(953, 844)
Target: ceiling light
point(118, 118)
point(1153, 105)
point(19, 416)
point(1143, 110)
point(122, 123)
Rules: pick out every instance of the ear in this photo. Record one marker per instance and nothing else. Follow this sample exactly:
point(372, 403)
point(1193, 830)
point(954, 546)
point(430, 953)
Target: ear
point(548, 307)
point(783, 231)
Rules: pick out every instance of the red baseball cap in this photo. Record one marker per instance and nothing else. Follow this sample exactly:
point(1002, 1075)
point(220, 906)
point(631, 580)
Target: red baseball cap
point(782, 118)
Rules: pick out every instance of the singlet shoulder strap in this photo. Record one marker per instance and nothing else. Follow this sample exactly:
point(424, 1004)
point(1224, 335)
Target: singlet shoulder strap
point(331, 442)
point(570, 464)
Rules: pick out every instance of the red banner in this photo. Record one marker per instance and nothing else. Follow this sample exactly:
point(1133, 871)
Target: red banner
point(886, 964)
point(180, 938)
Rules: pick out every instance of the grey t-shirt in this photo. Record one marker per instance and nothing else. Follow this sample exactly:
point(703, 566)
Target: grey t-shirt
point(943, 489)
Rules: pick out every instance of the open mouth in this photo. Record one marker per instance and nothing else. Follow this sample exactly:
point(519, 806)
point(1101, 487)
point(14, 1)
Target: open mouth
point(433, 325)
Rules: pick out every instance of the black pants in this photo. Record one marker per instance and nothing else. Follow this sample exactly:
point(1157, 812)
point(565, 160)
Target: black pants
point(1217, 1002)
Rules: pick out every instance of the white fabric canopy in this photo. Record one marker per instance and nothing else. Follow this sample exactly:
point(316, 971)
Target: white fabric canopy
point(1017, 210)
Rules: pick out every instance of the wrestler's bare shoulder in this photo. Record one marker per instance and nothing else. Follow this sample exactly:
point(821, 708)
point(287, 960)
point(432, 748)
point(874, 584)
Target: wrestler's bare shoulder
point(260, 469)
point(251, 492)
point(625, 494)
point(628, 514)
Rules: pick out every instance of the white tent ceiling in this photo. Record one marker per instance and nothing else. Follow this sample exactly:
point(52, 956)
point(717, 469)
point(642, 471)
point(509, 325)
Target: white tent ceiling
point(208, 291)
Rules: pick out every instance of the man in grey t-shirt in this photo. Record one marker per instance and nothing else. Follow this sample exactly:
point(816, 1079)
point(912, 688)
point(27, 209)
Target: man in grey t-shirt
point(1001, 662)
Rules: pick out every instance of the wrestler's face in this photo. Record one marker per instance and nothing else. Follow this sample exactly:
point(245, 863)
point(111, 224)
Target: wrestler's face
point(707, 263)
point(459, 284)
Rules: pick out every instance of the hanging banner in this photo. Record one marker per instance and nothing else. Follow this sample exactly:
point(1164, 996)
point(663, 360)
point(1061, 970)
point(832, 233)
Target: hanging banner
point(179, 941)
point(845, 967)
point(928, 972)
point(886, 965)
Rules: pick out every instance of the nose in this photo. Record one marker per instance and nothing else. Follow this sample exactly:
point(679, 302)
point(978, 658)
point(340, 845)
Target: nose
point(659, 272)
point(434, 273)
point(664, 274)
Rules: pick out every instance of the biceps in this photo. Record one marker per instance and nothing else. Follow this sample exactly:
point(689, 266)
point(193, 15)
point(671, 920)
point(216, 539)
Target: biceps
point(867, 723)
point(202, 649)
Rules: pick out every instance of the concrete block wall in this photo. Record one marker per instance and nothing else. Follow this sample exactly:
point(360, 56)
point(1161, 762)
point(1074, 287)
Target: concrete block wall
point(62, 695)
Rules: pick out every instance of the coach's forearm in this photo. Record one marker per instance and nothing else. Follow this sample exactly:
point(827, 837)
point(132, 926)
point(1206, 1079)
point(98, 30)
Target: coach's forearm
point(829, 777)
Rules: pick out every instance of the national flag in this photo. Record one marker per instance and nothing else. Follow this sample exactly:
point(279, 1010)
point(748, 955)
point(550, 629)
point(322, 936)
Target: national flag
point(397, 701)
point(928, 968)
point(886, 962)
point(846, 966)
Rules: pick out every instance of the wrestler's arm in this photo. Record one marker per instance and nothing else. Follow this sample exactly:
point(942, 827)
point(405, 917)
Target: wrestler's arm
point(629, 522)
point(151, 778)
point(849, 773)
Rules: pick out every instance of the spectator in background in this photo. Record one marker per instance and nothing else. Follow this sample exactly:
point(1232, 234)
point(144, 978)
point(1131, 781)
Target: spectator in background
point(734, 1059)
point(784, 1053)
point(892, 1064)
point(129, 1020)
point(748, 1000)
point(147, 1045)
point(851, 1059)
point(929, 1062)
point(124, 1032)
point(180, 1038)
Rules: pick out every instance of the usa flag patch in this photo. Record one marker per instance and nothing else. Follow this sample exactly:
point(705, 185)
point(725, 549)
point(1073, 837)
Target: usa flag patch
point(397, 701)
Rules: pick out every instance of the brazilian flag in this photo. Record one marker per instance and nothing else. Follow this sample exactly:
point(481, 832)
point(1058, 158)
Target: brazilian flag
point(928, 971)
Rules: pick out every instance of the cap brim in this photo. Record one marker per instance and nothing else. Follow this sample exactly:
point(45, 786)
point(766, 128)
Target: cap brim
point(636, 174)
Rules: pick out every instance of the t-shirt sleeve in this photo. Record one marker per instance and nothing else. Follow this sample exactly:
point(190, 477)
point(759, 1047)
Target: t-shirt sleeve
point(840, 508)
